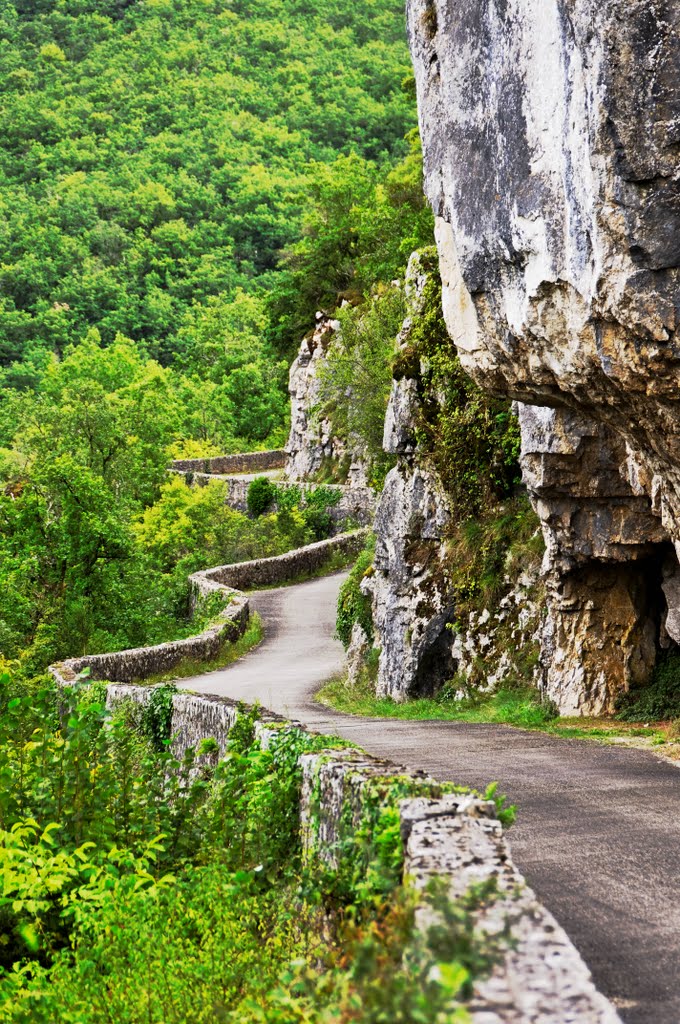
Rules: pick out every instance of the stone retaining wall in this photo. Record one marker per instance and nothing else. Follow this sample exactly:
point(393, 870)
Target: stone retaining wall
point(142, 662)
point(249, 462)
point(264, 572)
point(456, 837)
point(139, 663)
point(541, 978)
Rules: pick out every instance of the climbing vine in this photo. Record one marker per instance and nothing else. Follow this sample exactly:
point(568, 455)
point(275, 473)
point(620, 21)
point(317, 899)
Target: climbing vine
point(156, 719)
point(353, 605)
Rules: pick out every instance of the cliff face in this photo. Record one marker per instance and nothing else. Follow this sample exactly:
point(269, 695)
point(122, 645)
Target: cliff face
point(427, 632)
point(312, 449)
point(410, 592)
point(550, 132)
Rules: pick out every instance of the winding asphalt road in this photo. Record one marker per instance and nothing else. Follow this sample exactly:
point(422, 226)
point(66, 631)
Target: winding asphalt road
point(598, 829)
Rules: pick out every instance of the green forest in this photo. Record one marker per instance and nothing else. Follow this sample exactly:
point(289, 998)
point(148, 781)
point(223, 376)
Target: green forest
point(183, 184)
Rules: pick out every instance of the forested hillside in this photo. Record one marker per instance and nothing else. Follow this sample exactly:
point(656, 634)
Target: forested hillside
point(158, 154)
point(183, 183)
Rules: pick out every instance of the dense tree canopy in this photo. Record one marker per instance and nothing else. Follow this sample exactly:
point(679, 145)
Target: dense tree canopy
point(159, 153)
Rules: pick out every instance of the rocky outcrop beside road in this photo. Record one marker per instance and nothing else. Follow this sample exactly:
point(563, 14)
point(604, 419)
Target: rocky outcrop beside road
point(312, 447)
point(550, 134)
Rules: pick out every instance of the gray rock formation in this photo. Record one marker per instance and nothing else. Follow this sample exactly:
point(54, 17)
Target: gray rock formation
point(311, 445)
point(409, 590)
point(550, 132)
point(357, 653)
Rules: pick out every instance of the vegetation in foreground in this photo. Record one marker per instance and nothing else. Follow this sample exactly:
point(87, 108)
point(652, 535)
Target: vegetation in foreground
point(137, 888)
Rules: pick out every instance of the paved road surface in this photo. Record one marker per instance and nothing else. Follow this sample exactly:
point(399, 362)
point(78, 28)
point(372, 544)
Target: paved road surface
point(598, 829)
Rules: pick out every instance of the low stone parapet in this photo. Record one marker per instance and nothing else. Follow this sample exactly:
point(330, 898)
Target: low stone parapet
point(455, 837)
point(228, 581)
point(141, 662)
point(541, 977)
point(248, 462)
point(355, 503)
point(264, 572)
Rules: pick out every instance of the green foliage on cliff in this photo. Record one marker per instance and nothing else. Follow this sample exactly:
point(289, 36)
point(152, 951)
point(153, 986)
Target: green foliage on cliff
point(361, 227)
point(353, 606)
point(472, 437)
point(486, 550)
point(357, 376)
point(659, 699)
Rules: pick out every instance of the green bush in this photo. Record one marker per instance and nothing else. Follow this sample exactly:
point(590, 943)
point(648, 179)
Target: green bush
point(353, 606)
point(660, 699)
point(156, 721)
point(261, 496)
point(483, 549)
point(356, 378)
point(315, 510)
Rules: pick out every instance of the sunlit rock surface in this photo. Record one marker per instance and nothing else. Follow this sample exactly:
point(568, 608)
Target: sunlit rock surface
point(410, 593)
point(550, 132)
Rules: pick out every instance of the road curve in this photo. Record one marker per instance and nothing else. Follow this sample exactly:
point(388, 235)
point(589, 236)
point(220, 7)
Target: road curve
point(598, 829)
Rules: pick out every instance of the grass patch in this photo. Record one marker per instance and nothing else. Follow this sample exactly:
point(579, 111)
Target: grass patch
point(231, 652)
point(518, 707)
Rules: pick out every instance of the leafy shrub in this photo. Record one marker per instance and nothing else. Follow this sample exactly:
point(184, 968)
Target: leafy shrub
point(353, 606)
point(356, 378)
point(156, 720)
point(164, 892)
point(297, 508)
point(660, 699)
point(484, 549)
point(261, 496)
point(315, 510)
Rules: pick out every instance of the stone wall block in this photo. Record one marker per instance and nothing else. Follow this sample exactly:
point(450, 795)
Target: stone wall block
point(249, 462)
point(541, 977)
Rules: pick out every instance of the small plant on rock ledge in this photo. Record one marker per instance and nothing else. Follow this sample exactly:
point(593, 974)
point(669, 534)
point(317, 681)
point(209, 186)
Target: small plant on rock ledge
point(660, 699)
point(353, 605)
point(472, 438)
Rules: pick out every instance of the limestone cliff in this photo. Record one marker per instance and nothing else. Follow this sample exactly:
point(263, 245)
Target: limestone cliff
point(550, 132)
point(409, 591)
point(312, 450)
point(427, 632)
